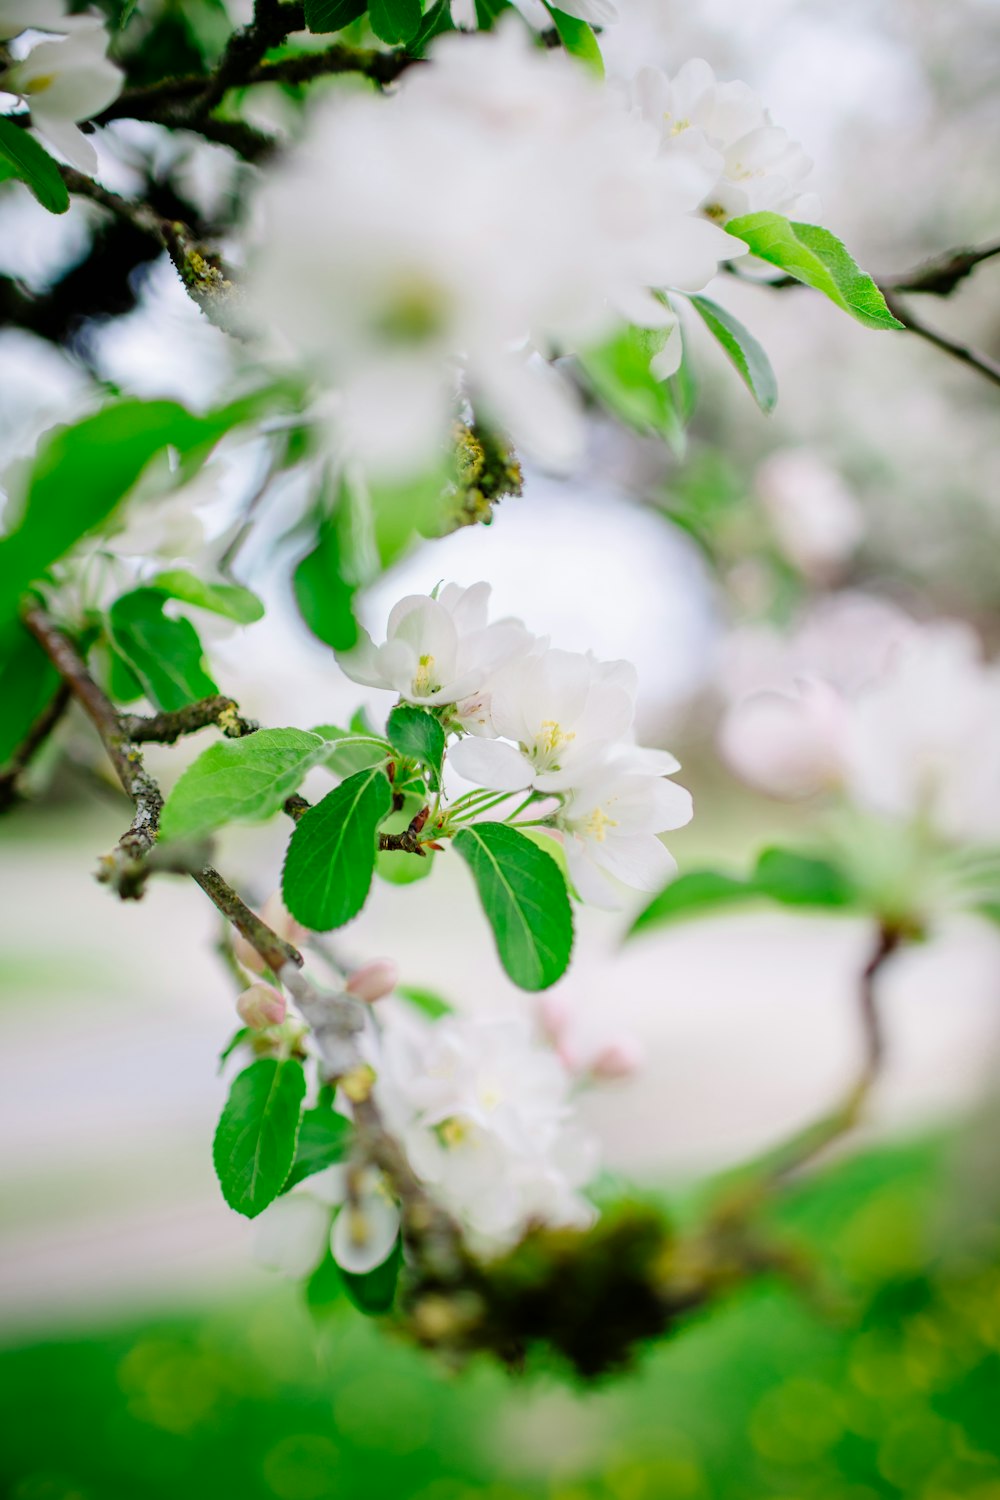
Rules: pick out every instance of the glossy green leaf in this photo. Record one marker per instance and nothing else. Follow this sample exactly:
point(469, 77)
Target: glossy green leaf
point(742, 349)
point(347, 751)
point(255, 1140)
point(164, 654)
point(331, 857)
point(28, 683)
point(324, 1140)
point(27, 160)
point(395, 22)
point(323, 594)
point(227, 599)
point(525, 900)
point(578, 39)
point(333, 15)
point(437, 20)
point(817, 258)
point(418, 734)
point(239, 781)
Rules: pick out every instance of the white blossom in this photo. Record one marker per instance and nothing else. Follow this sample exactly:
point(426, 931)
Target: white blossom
point(610, 822)
point(562, 709)
point(539, 212)
point(788, 744)
point(351, 1210)
point(483, 1110)
point(817, 521)
point(437, 650)
point(63, 80)
point(923, 741)
point(725, 130)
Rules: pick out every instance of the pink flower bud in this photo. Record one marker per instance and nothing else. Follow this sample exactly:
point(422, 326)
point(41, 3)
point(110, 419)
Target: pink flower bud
point(277, 916)
point(373, 981)
point(618, 1059)
point(787, 744)
point(261, 1006)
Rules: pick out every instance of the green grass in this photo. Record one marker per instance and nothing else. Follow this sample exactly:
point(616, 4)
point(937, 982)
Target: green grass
point(882, 1381)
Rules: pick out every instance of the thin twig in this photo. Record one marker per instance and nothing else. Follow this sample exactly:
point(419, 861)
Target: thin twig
point(983, 364)
point(145, 795)
point(31, 744)
point(939, 277)
point(167, 728)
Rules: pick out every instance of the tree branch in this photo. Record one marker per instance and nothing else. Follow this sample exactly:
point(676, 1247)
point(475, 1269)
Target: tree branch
point(167, 728)
point(983, 364)
point(119, 868)
point(939, 277)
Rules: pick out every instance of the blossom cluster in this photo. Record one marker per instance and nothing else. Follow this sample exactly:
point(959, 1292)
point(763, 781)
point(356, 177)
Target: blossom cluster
point(552, 727)
point(482, 1107)
point(899, 718)
point(64, 77)
point(501, 208)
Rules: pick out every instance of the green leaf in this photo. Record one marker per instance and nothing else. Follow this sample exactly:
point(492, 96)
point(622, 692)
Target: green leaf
point(347, 752)
point(426, 1001)
point(418, 734)
point(743, 350)
point(333, 15)
point(437, 20)
point(164, 654)
point(331, 857)
point(395, 22)
point(489, 11)
point(241, 1035)
point(325, 598)
point(255, 1140)
point(816, 257)
point(81, 473)
point(620, 374)
point(227, 599)
point(801, 880)
point(28, 683)
point(690, 895)
point(405, 511)
point(324, 1291)
point(780, 875)
point(525, 900)
point(578, 39)
point(239, 781)
point(32, 164)
point(375, 1292)
point(324, 1139)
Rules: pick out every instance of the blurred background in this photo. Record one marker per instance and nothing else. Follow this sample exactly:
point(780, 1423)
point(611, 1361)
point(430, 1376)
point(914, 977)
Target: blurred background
point(143, 1353)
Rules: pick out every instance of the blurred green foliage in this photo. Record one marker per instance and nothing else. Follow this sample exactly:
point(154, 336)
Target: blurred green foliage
point(881, 1381)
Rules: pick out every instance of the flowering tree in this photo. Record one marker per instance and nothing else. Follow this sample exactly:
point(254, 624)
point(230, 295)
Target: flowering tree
point(430, 271)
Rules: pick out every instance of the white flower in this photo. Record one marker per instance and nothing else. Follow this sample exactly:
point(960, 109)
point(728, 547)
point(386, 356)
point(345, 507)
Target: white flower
point(788, 744)
point(563, 710)
point(924, 740)
point(817, 521)
point(611, 821)
point(484, 1113)
point(65, 80)
point(437, 650)
point(293, 1232)
point(724, 129)
point(496, 266)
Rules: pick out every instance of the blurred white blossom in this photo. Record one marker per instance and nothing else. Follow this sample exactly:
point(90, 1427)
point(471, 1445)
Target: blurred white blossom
point(63, 79)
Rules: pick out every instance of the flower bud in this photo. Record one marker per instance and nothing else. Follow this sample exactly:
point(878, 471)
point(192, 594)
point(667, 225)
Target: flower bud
point(260, 1006)
point(373, 981)
point(620, 1058)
